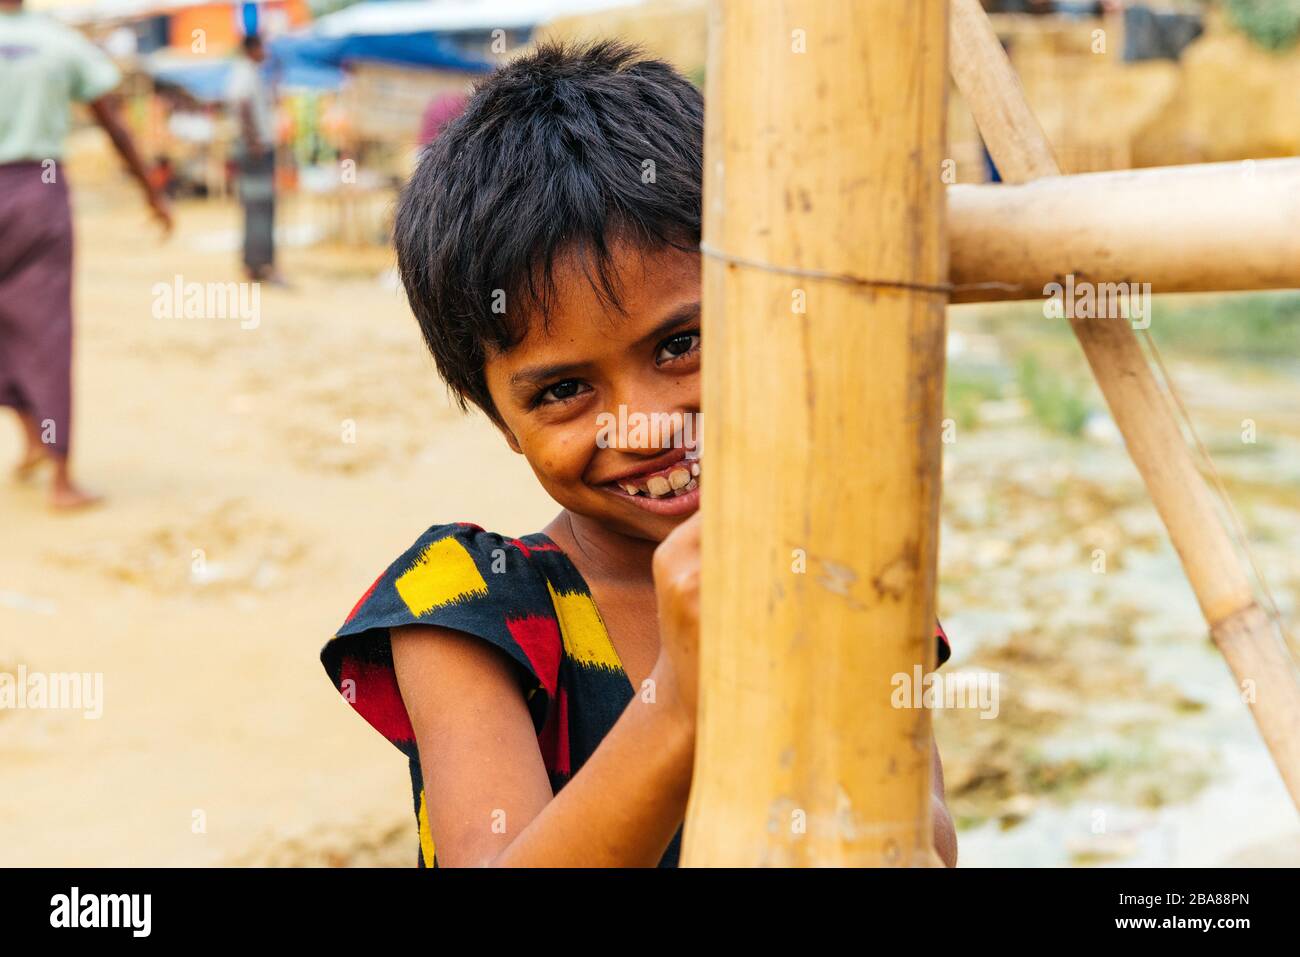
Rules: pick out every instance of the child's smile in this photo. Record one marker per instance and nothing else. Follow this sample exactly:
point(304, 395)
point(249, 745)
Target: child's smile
point(559, 389)
point(667, 485)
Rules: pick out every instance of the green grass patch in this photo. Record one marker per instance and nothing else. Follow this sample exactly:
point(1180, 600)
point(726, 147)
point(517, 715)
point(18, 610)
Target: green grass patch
point(1257, 326)
point(1056, 403)
point(965, 390)
point(1273, 24)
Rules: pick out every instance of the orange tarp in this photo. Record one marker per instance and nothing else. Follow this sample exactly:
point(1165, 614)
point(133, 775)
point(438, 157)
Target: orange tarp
point(222, 23)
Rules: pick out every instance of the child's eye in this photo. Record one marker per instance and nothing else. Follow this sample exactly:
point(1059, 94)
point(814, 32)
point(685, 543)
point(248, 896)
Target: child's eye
point(678, 346)
point(560, 392)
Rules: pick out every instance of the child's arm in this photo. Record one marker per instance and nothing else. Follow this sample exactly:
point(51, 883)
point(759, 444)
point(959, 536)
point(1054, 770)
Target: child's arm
point(945, 833)
point(488, 796)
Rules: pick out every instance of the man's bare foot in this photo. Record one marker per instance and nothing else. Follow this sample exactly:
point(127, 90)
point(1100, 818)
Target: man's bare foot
point(30, 464)
point(65, 496)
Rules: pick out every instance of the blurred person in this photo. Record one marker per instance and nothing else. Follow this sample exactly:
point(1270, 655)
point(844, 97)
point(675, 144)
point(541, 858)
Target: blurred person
point(253, 102)
point(163, 175)
point(440, 111)
point(44, 67)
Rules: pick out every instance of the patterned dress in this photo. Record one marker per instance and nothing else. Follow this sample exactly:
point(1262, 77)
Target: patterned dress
point(521, 595)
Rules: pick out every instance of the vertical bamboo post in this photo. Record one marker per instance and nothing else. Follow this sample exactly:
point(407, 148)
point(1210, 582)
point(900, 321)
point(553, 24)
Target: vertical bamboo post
point(824, 310)
point(1143, 415)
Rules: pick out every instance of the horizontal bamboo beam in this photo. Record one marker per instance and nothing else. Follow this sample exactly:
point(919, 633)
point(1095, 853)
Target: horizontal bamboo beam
point(1215, 227)
point(1244, 635)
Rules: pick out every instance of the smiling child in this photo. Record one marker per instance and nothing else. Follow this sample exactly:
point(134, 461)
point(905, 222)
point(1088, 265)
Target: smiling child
point(543, 687)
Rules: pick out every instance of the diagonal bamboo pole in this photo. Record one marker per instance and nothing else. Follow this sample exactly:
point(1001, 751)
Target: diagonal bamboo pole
point(823, 384)
point(1240, 628)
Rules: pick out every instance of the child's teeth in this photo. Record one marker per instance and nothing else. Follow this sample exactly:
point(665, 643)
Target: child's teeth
point(688, 487)
point(678, 482)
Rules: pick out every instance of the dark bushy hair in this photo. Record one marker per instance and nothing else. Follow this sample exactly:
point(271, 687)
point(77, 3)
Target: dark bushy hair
point(546, 159)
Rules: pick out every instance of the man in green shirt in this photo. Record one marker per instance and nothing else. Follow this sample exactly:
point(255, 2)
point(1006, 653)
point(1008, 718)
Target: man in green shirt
point(45, 67)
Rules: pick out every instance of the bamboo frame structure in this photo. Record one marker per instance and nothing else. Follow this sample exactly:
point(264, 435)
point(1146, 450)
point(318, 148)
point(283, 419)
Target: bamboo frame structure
point(1141, 411)
point(825, 130)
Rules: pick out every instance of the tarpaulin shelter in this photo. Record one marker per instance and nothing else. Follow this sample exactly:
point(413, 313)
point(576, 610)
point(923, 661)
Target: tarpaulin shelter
point(320, 57)
point(450, 35)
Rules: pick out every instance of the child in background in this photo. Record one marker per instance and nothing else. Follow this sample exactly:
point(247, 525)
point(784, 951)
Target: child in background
point(162, 176)
point(543, 688)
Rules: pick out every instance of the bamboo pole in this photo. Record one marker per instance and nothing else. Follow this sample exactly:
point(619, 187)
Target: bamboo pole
point(1239, 627)
point(824, 133)
point(1216, 227)
point(989, 84)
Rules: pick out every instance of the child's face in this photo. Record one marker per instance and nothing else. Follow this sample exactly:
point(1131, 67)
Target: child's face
point(563, 392)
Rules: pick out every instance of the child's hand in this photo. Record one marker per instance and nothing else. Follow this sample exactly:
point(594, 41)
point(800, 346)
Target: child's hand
point(677, 585)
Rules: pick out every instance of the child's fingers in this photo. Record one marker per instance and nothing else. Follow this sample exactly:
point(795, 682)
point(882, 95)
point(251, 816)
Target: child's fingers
point(680, 551)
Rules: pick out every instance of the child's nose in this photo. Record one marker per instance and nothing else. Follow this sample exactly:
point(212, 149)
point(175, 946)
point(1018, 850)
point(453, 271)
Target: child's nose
point(652, 413)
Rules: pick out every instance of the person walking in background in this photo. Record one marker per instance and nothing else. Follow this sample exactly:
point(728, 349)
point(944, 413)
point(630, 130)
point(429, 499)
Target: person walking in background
point(253, 104)
point(44, 66)
point(440, 111)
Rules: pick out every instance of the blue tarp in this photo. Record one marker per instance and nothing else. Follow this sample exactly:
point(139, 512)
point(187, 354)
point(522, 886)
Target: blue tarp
point(429, 50)
point(207, 80)
point(312, 60)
